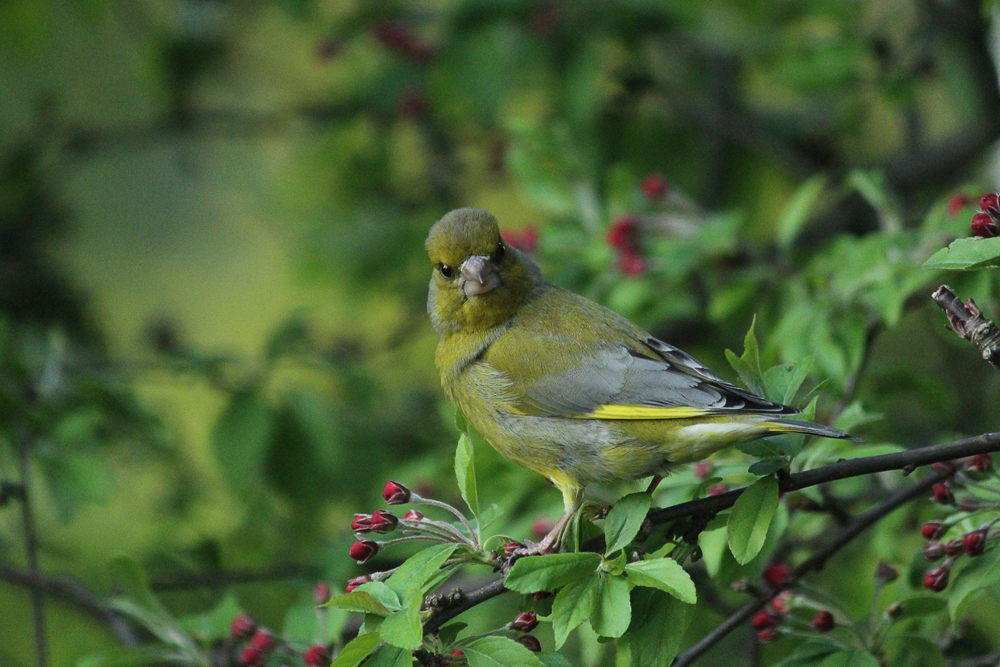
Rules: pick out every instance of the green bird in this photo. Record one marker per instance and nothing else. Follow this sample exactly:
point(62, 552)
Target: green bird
point(566, 387)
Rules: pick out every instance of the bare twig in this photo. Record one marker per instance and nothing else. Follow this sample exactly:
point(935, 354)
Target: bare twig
point(31, 546)
point(968, 322)
point(814, 564)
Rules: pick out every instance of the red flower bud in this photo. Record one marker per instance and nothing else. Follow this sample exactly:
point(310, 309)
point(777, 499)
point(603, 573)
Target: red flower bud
point(716, 489)
point(974, 542)
point(631, 263)
point(989, 201)
point(780, 602)
point(824, 621)
point(357, 581)
point(530, 643)
point(937, 578)
point(702, 470)
point(242, 626)
point(413, 515)
point(767, 635)
point(953, 548)
point(942, 493)
point(985, 226)
point(957, 203)
point(251, 657)
point(395, 493)
point(317, 656)
point(457, 654)
point(622, 233)
point(654, 187)
point(263, 640)
point(510, 548)
point(541, 527)
point(946, 468)
point(363, 550)
point(526, 621)
point(933, 551)
point(932, 530)
point(321, 593)
point(362, 523)
point(384, 521)
point(763, 619)
point(981, 462)
point(777, 575)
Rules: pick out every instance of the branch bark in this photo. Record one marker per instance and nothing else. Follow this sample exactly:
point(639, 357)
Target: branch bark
point(968, 322)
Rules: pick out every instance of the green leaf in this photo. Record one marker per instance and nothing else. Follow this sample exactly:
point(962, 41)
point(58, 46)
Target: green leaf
point(403, 628)
point(574, 604)
point(748, 365)
point(625, 519)
point(420, 568)
point(357, 650)
point(857, 657)
point(370, 598)
point(965, 254)
point(139, 603)
point(546, 573)
point(810, 654)
point(659, 622)
point(800, 208)
point(214, 624)
point(465, 473)
point(980, 573)
point(390, 656)
point(449, 633)
point(554, 659)
point(499, 652)
point(766, 467)
point(666, 574)
point(613, 611)
point(241, 437)
point(750, 518)
point(921, 605)
point(135, 656)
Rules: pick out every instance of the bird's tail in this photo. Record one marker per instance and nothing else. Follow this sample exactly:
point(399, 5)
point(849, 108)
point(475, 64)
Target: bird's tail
point(809, 428)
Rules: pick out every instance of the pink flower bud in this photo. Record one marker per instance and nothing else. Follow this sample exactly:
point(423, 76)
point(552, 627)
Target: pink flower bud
point(763, 619)
point(942, 493)
point(957, 203)
point(768, 635)
point(413, 515)
point(251, 657)
point(622, 233)
point(357, 581)
point(933, 551)
point(526, 621)
point(242, 626)
point(530, 643)
point(363, 550)
point(654, 187)
point(263, 640)
point(777, 575)
point(362, 523)
point(937, 578)
point(321, 593)
point(932, 530)
point(317, 656)
point(946, 468)
point(953, 548)
point(989, 201)
point(823, 622)
point(974, 542)
point(383, 522)
point(985, 226)
point(395, 493)
point(981, 462)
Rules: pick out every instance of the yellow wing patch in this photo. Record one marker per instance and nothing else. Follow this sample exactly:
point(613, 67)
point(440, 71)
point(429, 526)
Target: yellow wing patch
point(642, 412)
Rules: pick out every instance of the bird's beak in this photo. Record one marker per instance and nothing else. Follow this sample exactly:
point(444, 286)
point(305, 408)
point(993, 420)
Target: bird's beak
point(478, 275)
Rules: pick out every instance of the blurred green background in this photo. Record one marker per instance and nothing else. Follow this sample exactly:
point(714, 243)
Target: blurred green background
point(212, 277)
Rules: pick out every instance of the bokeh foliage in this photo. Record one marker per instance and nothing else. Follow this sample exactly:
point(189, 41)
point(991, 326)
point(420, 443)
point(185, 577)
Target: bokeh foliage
point(809, 150)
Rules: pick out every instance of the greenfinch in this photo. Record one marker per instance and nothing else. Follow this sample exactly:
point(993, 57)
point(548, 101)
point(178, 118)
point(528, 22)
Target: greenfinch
point(566, 387)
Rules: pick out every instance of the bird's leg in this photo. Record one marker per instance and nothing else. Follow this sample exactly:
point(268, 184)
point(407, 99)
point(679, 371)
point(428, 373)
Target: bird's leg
point(573, 500)
point(653, 483)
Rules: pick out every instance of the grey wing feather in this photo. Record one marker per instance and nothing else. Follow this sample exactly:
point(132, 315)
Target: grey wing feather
point(622, 376)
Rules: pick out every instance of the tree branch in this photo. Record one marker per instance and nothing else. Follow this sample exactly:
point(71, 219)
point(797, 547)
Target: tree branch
point(815, 563)
point(968, 322)
point(31, 545)
point(906, 461)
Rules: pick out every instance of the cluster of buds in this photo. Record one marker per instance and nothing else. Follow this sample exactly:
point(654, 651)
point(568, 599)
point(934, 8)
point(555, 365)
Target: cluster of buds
point(525, 622)
point(971, 473)
point(986, 223)
point(623, 236)
point(413, 525)
point(262, 642)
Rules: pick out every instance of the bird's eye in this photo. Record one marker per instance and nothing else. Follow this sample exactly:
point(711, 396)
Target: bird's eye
point(500, 252)
point(445, 270)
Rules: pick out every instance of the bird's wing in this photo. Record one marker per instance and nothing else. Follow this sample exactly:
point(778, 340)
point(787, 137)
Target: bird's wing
point(650, 380)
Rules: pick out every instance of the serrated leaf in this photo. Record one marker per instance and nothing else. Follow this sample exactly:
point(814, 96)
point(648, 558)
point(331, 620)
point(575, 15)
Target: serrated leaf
point(465, 473)
point(613, 612)
point(240, 439)
point(766, 467)
point(390, 656)
point(499, 652)
point(420, 568)
point(978, 574)
point(800, 208)
point(554, 660)
point(357, 650)
point(574, 604)
point(665, 574)
point(625, 519)
point(747, 366)
point(750, 518)
point(359, 601)
point(659, 622)
point(403, 628)
point(545, 573)
point(965, 254)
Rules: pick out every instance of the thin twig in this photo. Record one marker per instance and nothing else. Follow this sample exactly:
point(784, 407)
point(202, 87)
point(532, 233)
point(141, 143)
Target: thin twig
point(814, 563)
point(968, 322)
point(31, 546)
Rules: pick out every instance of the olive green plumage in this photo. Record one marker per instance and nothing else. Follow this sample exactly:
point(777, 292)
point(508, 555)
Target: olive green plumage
point(562, 385)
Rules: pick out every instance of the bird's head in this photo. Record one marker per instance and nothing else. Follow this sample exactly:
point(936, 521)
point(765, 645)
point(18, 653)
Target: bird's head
point(478, 281)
